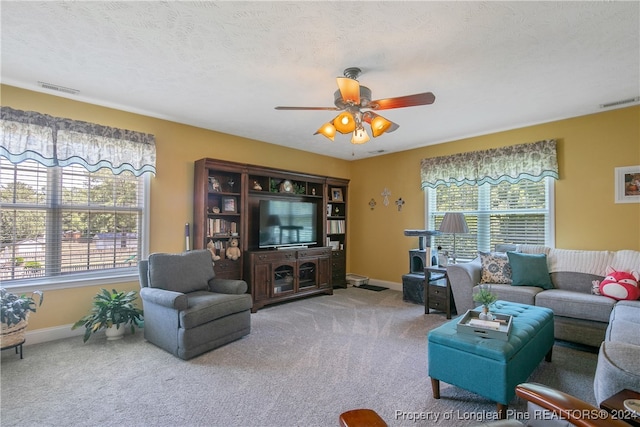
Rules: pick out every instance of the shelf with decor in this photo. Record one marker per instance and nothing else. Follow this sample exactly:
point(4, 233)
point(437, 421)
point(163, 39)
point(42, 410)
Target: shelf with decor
point(267, 209)
point(336, 211)
point(285, 184)
point(219, 212)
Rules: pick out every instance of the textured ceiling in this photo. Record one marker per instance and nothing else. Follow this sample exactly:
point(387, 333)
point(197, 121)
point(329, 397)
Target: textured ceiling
point(226, 65)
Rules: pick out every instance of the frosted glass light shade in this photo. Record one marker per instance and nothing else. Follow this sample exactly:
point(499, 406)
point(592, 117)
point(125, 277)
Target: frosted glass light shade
point(359, 136)
point(327, 130)
point(344, 123)
point(379, 125)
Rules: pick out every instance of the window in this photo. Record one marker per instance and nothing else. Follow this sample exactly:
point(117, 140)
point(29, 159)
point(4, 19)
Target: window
point(495, 213)
point(63, 222)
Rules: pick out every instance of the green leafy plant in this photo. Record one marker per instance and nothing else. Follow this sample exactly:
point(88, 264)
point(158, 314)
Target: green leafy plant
point(33, 265)
point(484, 296)
point(111, 308)
point(16, 308)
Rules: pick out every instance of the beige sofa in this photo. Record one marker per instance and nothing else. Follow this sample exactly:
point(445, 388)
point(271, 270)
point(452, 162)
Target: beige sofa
point(580, 315)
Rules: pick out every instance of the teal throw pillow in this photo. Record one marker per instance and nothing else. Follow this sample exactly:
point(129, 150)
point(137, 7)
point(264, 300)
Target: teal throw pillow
point(529, 270)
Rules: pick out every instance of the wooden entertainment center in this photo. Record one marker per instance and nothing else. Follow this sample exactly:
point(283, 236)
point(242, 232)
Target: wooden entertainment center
point(230, 200)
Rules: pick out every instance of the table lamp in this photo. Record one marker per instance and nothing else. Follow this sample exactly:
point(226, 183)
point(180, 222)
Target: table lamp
point(454, 223)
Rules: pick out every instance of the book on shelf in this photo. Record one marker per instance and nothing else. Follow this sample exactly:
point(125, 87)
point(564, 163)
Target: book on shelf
point(335, 226)
point(220, 227)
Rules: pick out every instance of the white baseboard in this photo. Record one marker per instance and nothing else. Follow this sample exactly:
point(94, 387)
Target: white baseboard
point(51, 334)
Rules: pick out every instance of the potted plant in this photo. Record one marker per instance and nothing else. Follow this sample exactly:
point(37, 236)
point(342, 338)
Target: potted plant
point(110, 311)
point(485, 297)
point(14, 315)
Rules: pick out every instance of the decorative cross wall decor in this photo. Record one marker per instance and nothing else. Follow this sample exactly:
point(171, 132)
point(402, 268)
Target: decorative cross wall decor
point(399, 203)
point(385, 196)
point(372, 204)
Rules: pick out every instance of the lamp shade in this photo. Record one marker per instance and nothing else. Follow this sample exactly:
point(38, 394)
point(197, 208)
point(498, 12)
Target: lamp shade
point(359, 136)
point(454, 223)
point(344, 123)
point(327, 130)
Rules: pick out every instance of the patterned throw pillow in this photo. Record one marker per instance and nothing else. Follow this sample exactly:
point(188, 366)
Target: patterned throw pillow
point(495, 268)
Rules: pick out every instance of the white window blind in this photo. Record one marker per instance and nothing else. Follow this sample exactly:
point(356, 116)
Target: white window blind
point(60, 221)
point(495, 213)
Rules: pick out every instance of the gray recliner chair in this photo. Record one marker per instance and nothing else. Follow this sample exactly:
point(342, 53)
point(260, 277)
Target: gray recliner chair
point(187, 311)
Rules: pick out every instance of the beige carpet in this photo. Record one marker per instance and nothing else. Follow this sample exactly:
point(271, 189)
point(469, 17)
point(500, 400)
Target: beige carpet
point(304, 363)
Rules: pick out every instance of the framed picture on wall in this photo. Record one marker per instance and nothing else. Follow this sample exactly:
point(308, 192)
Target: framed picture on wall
point(627, 184)
point(229, 204)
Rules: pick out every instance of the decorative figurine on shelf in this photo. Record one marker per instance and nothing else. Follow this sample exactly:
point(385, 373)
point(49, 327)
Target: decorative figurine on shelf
point(231, 183)
point(212, 248)
point(214, 184)
point(443, 257)
point(257, 186)
point(233, 251)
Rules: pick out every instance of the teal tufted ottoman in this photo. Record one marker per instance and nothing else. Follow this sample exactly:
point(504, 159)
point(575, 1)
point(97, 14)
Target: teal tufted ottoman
point(490, 367)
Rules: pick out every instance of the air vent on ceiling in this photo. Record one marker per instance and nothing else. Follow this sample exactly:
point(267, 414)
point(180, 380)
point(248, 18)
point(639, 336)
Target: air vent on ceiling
point(621, 102)
point(58, 88)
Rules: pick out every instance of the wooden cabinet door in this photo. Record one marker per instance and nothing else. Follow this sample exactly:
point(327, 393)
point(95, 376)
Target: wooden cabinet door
point(261, 281)
point(283, 278)
point(307, 273)
point(324, 272)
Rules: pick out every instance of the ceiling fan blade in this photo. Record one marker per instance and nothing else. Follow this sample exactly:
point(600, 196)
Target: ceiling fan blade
point(349, 89)
point(403, 101)
point(307, 108)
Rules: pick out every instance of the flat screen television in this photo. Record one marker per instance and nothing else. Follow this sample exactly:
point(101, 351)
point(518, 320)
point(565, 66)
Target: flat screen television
point(287, 223)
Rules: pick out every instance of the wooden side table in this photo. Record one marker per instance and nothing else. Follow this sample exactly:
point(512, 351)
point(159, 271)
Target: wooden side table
point(437, 290)
point(615, 406)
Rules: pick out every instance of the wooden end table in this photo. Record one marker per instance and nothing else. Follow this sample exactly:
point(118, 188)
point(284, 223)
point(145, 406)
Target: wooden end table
point(615, 406)
point(437, 295)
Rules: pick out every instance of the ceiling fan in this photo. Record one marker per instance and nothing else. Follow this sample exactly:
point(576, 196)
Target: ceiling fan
point(355, 102)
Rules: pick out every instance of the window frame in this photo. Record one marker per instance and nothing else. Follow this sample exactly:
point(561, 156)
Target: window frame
point(95, 278)
point(549, 201)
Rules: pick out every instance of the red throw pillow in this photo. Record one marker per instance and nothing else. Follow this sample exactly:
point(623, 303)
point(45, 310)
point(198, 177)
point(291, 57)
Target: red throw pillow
point(620, 285)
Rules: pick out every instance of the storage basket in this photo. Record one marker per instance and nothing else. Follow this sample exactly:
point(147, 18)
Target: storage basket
point(356, 280)
point(13, 335)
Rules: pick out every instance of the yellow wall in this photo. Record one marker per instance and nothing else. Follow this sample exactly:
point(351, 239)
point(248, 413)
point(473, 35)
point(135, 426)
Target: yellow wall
point(589, 148)
point(177, 147)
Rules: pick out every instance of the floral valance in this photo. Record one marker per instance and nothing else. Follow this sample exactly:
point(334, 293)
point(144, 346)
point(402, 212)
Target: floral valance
point(54, 141)
point(533, 161)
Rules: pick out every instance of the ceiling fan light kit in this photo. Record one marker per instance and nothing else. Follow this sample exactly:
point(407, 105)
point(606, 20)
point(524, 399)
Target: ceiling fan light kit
point(359, 136)
point(327, 130)
point(345, 122)
point(351, 99)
